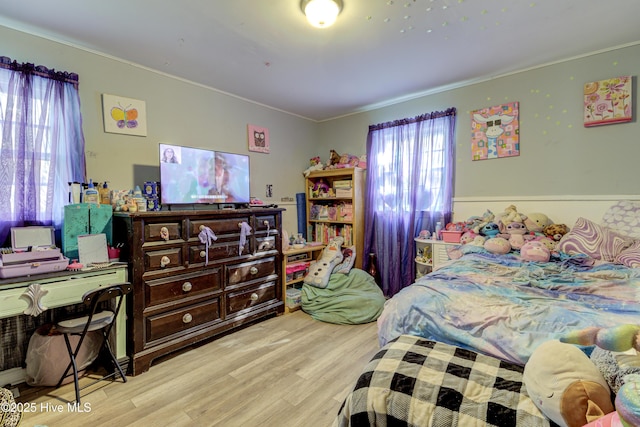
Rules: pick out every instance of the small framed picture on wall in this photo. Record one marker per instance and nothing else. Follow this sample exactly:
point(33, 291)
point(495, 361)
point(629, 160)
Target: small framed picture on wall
point(258, 139)
point(607, 101)
point(124, 115)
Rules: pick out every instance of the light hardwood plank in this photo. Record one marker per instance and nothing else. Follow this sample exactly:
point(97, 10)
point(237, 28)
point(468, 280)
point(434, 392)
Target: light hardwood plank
point(288, 371)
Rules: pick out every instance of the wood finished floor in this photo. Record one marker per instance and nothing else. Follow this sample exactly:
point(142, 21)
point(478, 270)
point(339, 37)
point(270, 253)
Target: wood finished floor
point(287, 371)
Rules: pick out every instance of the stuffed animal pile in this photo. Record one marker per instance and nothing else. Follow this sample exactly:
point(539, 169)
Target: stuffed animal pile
point(533, 235)
point(336, 161)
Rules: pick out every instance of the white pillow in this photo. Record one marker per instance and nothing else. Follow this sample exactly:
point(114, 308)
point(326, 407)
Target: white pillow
point(624, 217)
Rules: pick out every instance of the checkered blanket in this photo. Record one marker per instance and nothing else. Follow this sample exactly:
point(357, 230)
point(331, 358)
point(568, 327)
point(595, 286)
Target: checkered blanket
point(416, 382)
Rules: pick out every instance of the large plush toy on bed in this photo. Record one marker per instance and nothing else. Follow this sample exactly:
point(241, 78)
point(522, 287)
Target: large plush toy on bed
point(554, 370)
point(536, 222)
point(516, 234)
point(565, 385)
point(509, 215)
point(555, 231)
point(475, 223)
point(535, 250)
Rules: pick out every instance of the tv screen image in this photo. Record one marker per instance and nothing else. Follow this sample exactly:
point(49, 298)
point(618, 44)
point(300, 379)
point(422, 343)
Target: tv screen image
point(194, 175)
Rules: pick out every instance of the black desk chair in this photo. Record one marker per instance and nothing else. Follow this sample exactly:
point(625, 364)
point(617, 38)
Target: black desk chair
point(97, 320)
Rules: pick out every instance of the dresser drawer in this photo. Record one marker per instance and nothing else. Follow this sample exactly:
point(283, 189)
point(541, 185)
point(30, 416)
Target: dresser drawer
point(249, 297)
point(238, 273)
point(165, 259)
point(177, 321)
point(219, 251)
point(266, 223)
point(162, 231)
point(174, 288)
point(220, 227)
point(266, 243)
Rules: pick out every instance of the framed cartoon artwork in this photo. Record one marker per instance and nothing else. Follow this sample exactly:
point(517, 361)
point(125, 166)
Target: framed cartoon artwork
point(608, 101)
point(495, 132)
point(124, 115)
point(258, 139)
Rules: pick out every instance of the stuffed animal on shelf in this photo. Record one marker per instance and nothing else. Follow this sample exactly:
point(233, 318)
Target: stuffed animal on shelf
point(348, 161)
point(315, 165)
point(320, 188)
point(334, 158)
point(555, 231)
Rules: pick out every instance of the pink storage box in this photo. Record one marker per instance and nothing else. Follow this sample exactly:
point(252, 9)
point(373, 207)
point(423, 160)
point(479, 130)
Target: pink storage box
point(298, 266)
point(451, 236)
point(33, 253)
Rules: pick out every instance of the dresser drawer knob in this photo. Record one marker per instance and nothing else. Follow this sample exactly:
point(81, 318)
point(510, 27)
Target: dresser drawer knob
point(203, 254)
point(164, 233)
point(187, 318)
point(253, 270)
point(164, 261)
point(186, 286)
point(254, 297)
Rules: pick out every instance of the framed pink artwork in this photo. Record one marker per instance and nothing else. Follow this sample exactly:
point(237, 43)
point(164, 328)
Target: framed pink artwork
point(607, 101)
point(258, 139)
point(495, 132)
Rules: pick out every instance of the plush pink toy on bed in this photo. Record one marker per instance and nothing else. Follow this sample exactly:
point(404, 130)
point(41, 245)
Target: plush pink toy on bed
point(535, 251)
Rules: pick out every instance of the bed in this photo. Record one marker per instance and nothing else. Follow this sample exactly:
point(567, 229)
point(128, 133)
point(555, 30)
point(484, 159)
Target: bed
point(504, 307)
point(417, 382)
point(496, 309)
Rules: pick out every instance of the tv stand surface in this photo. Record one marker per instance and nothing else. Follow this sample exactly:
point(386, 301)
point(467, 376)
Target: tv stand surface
point(187, 291)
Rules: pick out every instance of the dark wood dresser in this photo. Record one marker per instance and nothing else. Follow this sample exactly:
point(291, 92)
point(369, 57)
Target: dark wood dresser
point(184, 293)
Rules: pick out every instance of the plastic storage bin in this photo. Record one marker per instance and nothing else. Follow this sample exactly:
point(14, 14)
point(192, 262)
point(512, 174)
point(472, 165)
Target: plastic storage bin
point(451, 236)
point(294, 298)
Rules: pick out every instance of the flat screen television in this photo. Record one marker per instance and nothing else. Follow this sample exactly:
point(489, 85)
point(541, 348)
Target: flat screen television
point(198, 176)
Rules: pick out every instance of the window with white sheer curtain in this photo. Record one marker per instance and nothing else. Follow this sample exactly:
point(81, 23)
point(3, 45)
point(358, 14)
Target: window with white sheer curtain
point(42, 148)
point(409, 187)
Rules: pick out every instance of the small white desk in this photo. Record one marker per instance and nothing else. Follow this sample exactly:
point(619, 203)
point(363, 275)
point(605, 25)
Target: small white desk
point(32, 295)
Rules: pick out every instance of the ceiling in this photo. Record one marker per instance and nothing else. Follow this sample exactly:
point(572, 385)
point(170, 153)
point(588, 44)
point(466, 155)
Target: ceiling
point(377, 53)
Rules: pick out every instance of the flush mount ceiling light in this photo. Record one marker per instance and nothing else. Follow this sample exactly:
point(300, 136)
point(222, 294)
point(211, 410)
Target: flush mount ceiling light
point(321, 13)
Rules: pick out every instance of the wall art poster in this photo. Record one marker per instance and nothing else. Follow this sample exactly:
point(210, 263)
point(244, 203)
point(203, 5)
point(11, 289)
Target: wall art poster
point(258, 139)
point(607, 101)
point(495, 132)
point(124, 115)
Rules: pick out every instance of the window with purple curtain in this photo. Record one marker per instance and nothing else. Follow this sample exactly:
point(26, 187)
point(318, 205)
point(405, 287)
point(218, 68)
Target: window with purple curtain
point(42, 147)
point(409, 188)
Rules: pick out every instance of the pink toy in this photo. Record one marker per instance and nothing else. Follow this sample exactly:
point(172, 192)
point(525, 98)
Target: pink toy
point(516, 232)
point(497, 245)
point(535, 251)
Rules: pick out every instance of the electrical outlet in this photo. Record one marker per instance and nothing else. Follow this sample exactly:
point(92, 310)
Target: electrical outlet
point(269, 191)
